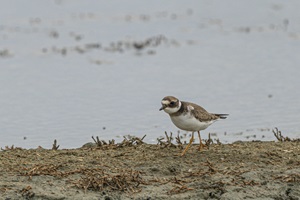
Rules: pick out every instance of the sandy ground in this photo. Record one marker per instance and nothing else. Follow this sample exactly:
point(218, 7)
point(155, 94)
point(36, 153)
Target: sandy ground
point(242, 170)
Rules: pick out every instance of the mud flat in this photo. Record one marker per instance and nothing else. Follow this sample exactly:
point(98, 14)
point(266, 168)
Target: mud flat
point(242, 170)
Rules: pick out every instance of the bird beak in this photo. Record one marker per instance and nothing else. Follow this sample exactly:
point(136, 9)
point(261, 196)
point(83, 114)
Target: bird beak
point(163, 107)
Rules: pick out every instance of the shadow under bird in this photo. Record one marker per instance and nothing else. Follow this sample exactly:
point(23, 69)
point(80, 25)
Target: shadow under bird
point(189, 117)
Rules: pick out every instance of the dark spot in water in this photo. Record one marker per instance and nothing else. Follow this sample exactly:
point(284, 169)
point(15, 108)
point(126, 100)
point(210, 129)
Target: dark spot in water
point(5, 53)
point(189, 11)
point(138, 46)
point(151, 52)
point(173, 16)
point(64, 51)
point(54, 34)
point(44, 50)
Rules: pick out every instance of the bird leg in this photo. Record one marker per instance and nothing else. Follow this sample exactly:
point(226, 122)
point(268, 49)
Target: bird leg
point(201, 144)
point(188, 146)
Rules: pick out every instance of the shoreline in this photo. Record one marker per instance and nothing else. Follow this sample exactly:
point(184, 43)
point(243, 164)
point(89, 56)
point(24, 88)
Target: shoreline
point(265, 170)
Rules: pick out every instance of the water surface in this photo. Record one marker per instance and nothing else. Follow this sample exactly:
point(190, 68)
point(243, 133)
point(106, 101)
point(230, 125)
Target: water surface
point(70, 70)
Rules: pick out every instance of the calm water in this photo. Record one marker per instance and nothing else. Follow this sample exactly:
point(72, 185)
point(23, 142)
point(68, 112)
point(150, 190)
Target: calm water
point(70, 70)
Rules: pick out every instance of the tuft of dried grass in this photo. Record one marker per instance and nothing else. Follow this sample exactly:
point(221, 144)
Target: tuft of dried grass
point(99, 180)
point(279, 136)
point(167, 141)
point(54, 145)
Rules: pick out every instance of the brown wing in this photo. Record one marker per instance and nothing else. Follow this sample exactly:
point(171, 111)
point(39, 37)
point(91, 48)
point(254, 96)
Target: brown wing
point(201, 114)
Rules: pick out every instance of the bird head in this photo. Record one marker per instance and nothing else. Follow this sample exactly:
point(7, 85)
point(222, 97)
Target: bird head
point(170, 104)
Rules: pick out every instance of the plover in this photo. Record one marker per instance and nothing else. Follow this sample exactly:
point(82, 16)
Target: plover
point(189, 117)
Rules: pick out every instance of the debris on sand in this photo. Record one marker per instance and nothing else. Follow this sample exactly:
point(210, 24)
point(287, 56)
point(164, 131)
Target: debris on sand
point(134, 169)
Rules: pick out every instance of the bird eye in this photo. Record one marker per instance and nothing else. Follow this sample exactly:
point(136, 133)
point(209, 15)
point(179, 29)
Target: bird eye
point(172, 103)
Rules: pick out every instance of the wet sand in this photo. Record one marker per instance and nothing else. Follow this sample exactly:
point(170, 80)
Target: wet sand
point(242, 170)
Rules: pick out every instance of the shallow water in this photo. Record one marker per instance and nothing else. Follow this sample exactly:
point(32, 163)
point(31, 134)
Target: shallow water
point(69, 70)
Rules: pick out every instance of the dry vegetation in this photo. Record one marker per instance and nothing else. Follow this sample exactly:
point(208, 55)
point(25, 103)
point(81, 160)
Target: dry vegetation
point(135, 170)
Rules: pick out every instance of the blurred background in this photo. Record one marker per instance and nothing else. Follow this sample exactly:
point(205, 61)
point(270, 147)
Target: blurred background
point(72, 69)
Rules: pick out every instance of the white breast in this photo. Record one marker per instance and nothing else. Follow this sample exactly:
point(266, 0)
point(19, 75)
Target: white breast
point(190, 123)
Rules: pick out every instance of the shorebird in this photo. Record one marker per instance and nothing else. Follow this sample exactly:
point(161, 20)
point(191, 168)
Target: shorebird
point(189, 117)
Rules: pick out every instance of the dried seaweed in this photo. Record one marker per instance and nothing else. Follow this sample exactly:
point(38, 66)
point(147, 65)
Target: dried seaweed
point(99, 180)
point(167, 141)
point(128, 141)
point(5, 189)
point(10, 148)
point(116, 169)
point(208, 142)
point(279, 136)
point(212, 169)
point(131, 141)
point(55, 146)
point(179, 189)
point(42, 169)
point(103, 143)
point(291, 178)
point(27, 192)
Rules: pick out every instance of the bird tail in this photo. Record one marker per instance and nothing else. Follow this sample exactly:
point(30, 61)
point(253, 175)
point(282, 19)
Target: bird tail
point(222, 116)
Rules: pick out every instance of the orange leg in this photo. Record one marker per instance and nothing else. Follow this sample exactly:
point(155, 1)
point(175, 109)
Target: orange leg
point(201, 144)
point(188, 146)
